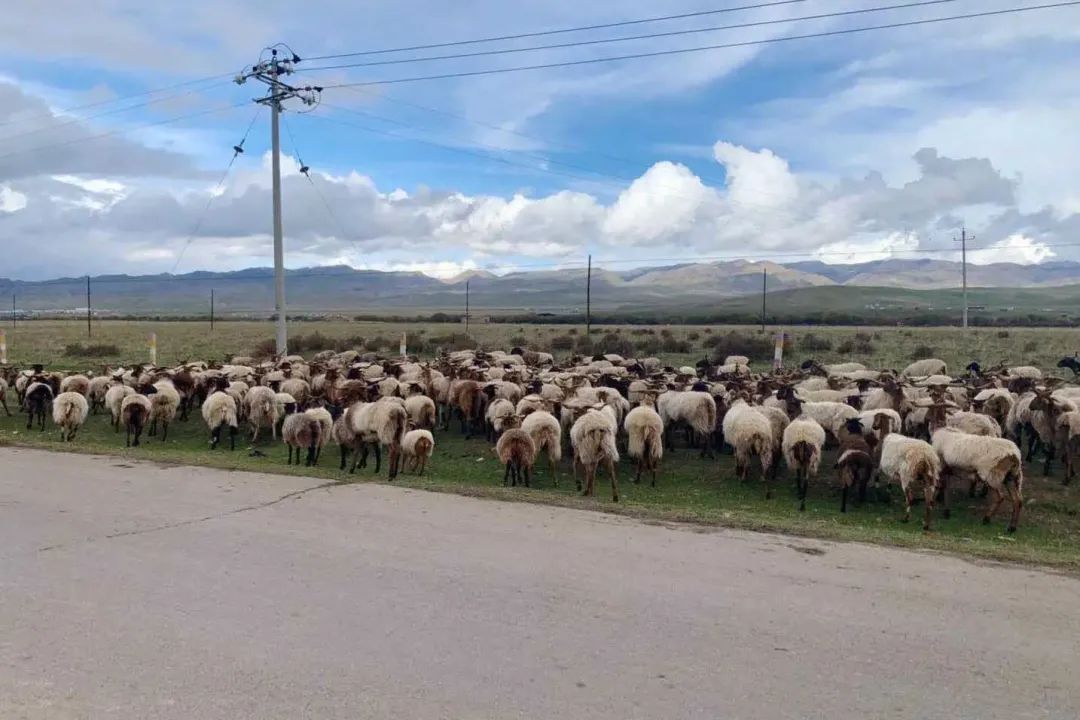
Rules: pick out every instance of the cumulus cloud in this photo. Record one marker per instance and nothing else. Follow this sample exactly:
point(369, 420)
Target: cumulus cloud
point(763, 209)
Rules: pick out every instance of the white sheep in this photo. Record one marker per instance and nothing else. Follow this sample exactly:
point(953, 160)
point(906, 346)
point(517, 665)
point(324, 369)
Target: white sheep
point(301, 431)
point(99, 386)
point(994, 461)
point(1069, 442)
point(261, 410)
point(164, 404)
point(326, 426)
point(645, 438)
point(593, 438)
point(114, 397)
point(912, 463)
point(380, 423)
point(69, 411)
point(75, 383)
point(499, 417)
point(829, 415)
point(546, 433)
point(218, 412)
point(417, 446)
point(3, 396)
point(922, 368)
point(801, 444)
point(696, 410)
point(974, 424)
point(517, 452)
point(749, 433)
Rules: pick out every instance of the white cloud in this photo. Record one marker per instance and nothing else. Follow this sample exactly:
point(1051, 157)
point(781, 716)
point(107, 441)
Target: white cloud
point(10, 200)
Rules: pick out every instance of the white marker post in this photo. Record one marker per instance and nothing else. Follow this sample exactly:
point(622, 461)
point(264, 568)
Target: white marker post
point(402, 347)
point(3, 347)
point(153, 349)
point(778, 351)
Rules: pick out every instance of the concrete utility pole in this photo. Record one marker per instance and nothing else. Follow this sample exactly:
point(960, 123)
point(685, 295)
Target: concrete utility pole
point(466, 308)
point(588, 299)
point(764, 290)
point(270, 72)
point(964, 237)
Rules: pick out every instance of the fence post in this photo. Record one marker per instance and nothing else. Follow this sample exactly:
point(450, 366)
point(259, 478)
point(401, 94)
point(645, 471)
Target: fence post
point(3, 347)
point(153, 349)
point(89, 333)
point(211, 309)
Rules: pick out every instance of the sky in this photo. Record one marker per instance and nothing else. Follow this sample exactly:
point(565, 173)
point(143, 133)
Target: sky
point(845, 148)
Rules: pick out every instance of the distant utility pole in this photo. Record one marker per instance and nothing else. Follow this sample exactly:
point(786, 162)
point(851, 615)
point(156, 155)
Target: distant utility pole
point(12, 309)
point(764, 289)
point(211, 309)
point(588, 299)
point(269, 72)
point(964, 237)
point(88, 331)
point(466, 307)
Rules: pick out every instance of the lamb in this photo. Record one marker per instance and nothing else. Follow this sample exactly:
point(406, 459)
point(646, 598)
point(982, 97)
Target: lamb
point(910, 463)
point(922, 368)
point(114, 397)
point(219, 411)
point(1068, 425)
point(299, 431)
point(164, 404)
point(1045, 411)
point(417, 446)
point(37, 400)
point(298, 388)
point(465, 397)
point(883, 420)
point(1073, 363)
point(697, 410)
point(261, 410)
point(135, 412)
point(380, 423)
point(96, 391)
point(994, 461)
point(645, 437)
point(69, 411)
point(517, 453)
point(829, 415)
point(546, 433)
point(802, 443)
point(749, 433)
point(593, 438)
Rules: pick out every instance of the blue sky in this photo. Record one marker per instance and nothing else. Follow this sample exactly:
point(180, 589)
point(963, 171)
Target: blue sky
point(847, 148)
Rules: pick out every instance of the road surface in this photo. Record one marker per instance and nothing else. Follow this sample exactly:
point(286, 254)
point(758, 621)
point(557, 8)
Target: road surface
point(133, 590)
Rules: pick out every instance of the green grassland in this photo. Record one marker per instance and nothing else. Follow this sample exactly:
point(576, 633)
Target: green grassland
point(690, 489)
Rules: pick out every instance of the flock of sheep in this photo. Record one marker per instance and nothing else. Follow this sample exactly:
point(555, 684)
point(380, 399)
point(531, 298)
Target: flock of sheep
point(920, 428)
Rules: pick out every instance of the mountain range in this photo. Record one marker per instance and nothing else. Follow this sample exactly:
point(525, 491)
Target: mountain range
point(342, 289)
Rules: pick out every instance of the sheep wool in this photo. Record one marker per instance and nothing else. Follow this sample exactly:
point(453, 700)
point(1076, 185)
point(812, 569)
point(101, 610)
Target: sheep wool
point(910, 463)
point(593, 438)
point(546, 434)
point(802, 442)
point(69, 411)
point(645, 432)
point(134, 414)
point(417, 447)
point(749, 433)
point(218, 412)
point(995, 461)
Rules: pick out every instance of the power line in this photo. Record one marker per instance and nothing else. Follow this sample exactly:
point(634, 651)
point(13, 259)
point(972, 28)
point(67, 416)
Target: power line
point(121, 131)
point(114, 111)
point(238, 150)
point(541, 33)
point(704, 48)
point(122, 98)
point(648, 36)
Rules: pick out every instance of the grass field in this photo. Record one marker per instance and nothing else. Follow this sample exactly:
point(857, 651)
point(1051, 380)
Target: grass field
point(689, 489)
point(45, 340)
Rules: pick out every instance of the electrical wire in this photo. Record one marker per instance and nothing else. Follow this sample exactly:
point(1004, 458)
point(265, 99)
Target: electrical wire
point(122, 98)
point(541, 33)
point(649, 36)
point(237, 151)
point(121, 131)
point(114, 111)
point(704, 48)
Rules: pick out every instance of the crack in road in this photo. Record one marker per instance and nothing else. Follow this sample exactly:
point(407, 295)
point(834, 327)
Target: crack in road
point(195, 521)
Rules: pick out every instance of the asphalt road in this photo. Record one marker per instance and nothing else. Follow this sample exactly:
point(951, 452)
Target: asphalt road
point(142, 591)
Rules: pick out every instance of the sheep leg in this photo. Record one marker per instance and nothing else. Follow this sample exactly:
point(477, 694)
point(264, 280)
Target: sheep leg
point(395, 458)
point(255, 435)
point(930, 494)
point(164, 431)
point(843, 498)
point(357, 454)
point(528, 476)
point(232, 438)
point(804, 480)
point(127, 436)
point(422, 462)
point(946, 511)
point(3, 401)
point(289, 461)
point(1049, 458)
point(614, 480)
point(506, 474)
point(553, 465)
point(1029, 431)
point(378, 457)
point(908, 499)
point(577, 478)
point(344, 456)
point(995, 503)
point(637, 474)
point(310, 460)
point(1017, 503)
point(153, 428)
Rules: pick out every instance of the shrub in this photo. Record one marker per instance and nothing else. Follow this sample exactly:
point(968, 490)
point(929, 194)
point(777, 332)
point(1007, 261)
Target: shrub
point(562, 342)
point(264, 349)
point(1031, 346)
point(648, 346)
point(1003, 333)
point(378, 343)
point(666, 332)
point(858, 345)
point(571, 331)
point(453, 341)
point(519, 341)
point(923, 352)
point(349, 343)
point(612, 342)
point(813, 343)
point(584, 345)
point(674, 345)
point(95, 350)
point(693, 336)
